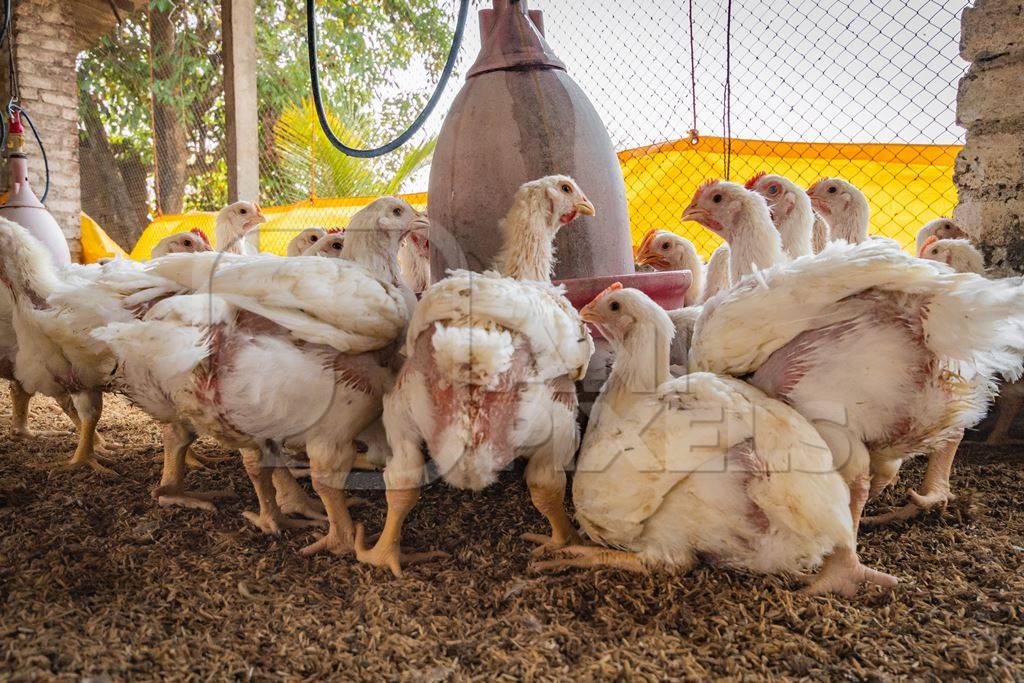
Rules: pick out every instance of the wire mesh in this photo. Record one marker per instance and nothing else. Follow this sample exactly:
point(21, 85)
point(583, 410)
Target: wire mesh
point(856, 89)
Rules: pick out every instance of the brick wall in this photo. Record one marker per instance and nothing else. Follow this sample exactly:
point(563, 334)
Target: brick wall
point(990, 105)
point(45, 51)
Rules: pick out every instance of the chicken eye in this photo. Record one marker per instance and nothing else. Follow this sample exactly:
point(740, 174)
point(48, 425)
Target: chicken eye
point(831, 190)
point(717, 199)
point(397, 211)
point(565, 188)
point(187, 243)
point(614, 305)
point(241, 211)
point(665, 245)
point(336, 246)
point(772, 189)
point(313, 238)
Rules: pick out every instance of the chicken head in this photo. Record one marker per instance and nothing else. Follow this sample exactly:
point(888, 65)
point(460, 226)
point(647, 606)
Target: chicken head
point(182, 243)
point(304, 240)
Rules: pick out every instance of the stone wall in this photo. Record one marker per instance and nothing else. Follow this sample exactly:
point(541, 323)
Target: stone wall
point(990, 106)
point(45, 48)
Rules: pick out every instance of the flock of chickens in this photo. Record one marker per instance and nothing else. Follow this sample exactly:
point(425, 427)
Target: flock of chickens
point(747, 429)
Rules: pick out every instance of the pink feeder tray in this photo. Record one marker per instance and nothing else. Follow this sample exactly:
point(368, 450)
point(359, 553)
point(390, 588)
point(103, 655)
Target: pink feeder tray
point(667, 288)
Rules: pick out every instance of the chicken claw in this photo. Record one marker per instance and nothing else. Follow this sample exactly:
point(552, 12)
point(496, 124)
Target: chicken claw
point(92, 461)
point(918, 504)
point(272, 524)
point(292, 498)
point(170, 496)
point(935, 489)
point(592, 556)
point(390, 555)
point(553, 543)
point(842, 573)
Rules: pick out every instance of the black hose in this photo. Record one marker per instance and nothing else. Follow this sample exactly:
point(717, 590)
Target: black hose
point(314, 77)
point(46, 163)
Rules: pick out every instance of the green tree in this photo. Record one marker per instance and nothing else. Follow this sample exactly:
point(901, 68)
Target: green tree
point(307, 158)
point(364, 46)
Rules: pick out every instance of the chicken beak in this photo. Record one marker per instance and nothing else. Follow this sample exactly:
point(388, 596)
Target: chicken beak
point(694, 213)
point(652, 260)
point(589, 314)
point(585, 207)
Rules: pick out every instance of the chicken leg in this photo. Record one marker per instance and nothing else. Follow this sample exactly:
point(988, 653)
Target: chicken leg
point(1007, 408)
point(88, 406)
point(178, 440)
point(935, 492)
point(269, 519)
point(329, 472)
point(19, 414)
point(402, 476)
point(546, 481)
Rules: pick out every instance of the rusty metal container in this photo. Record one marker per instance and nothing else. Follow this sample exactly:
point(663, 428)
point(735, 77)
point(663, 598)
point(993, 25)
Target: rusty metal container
point(518, 117)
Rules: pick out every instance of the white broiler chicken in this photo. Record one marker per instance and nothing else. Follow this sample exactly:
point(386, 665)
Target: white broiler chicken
point(888, 355)
point(943, 229)
point(176, 243)
point(716, 274)
point(414, 261)
point(55, 311)
point(844, 207)
point(275, 352)
point(674, 470)
point(790, 209)
point(236, 228)
point(304, 241)
point(958, 254)
point(963, 257)
point(728, 209)
point(491, 362)
point(664, 250)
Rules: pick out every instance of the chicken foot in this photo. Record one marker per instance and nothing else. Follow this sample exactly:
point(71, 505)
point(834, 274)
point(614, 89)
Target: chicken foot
point(592, 557)
point(88, 406)
point(843, 573)
point(100, 445)
point(329, 473)
point(269, 519)
point(402, 476)
point(178, 440)
point(19, 414)
point(293, 499)
point(935, 490)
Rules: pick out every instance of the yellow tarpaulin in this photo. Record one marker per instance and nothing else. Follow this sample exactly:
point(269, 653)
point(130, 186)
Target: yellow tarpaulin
point(283, 222)
point(96, 244)
point(907, 185)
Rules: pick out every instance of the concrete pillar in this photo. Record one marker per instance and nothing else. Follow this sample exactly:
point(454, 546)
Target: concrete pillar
point(238, 20)
point(990, 106)
point(45, 52)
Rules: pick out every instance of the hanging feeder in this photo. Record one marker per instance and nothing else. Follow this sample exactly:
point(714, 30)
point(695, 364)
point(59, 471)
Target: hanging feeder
point(519, 117)
point(22, 206)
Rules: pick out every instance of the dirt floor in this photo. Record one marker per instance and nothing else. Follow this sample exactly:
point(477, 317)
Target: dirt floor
point(97, 581)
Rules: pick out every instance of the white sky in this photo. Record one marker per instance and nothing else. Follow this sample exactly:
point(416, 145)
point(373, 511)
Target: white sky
point(802, 70)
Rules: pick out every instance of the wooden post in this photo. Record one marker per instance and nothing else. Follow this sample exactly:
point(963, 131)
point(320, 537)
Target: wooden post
point(238, 19)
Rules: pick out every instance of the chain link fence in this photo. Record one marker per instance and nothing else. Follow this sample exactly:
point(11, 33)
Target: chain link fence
point(860, 90)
